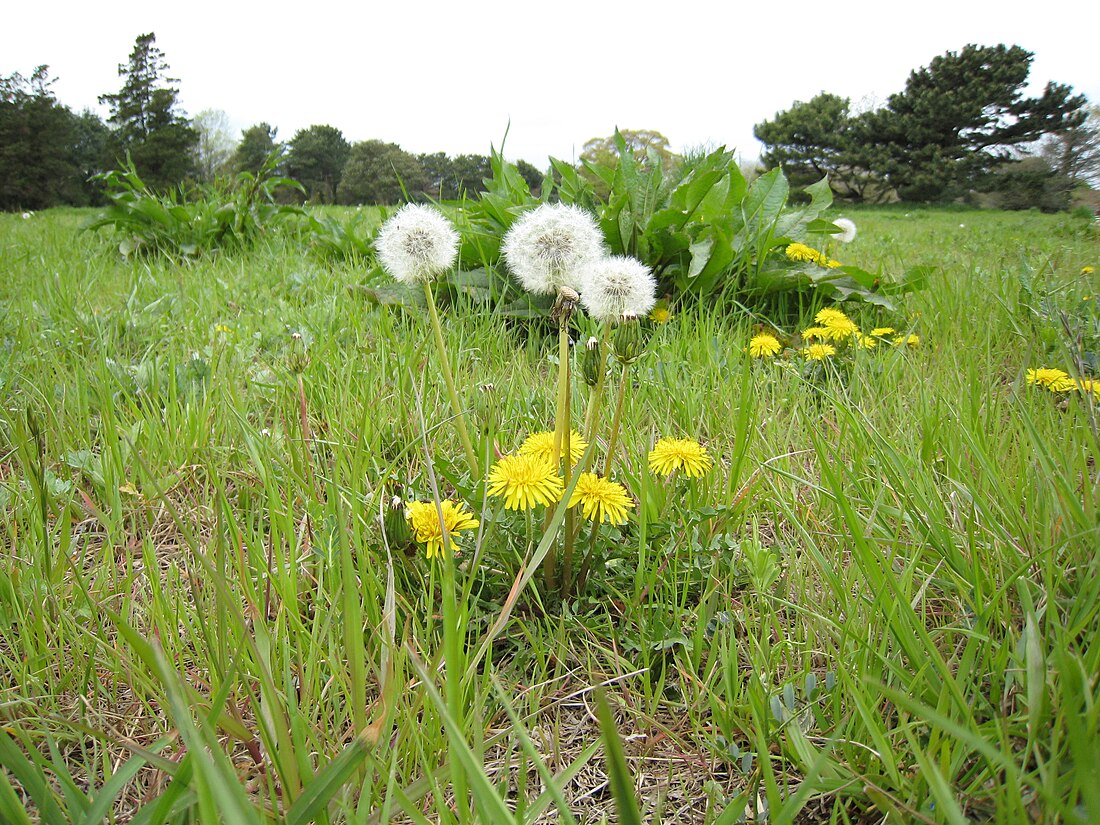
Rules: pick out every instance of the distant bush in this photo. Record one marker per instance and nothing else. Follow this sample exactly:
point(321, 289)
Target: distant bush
point(221, 217)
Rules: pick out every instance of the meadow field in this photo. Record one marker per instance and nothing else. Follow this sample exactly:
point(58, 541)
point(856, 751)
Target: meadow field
point(880, 603)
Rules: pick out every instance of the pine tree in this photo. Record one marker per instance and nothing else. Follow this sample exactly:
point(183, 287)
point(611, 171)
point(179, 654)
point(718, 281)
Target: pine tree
point(147, 123)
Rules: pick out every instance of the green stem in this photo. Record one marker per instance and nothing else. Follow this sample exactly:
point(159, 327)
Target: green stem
point(586, 565)
point(595, 399)
point(454, 662)
point(561, 434)
point(445, 364)
point(615, 422)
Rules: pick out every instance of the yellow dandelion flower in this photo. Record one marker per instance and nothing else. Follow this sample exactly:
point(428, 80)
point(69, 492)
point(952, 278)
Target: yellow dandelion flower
point(801, 252)
point(829, 315)
point(812, 333)
point(1051, 379)
point(428, 530)
point(866, 341)
point(660, 314)
point(600, 499)
point(879, 332)
point(908, 340)
point(541, 445)
point(224, 329)
point(671, 454)
point(1089, 385)
point(764, 346)
point(1087, 270)
point(833, 264)
point(525, 481)
point(819, 352)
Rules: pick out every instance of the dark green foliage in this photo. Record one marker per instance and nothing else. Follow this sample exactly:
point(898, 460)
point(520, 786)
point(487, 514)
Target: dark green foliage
point(256, 146)
point(380, 173)
point(316, 157)
point(223, 217)
point(957, 120)
point(1075, 152)
point(46, 152)
point(451, 178)
point(532, 176)
point(1029, 183)
point(159, 140)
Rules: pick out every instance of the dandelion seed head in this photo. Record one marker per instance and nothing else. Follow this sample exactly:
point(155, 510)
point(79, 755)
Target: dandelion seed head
point(547, 247)
point(847, 232)
point(417, 244)
point(617, 286)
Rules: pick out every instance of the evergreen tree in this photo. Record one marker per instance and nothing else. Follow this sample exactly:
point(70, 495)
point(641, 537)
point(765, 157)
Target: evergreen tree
point(147, 123)
point(257, 143)
point(316, 159)
point(380, 173)
point(38, 138)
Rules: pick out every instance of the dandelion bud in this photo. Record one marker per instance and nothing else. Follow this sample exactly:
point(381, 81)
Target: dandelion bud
point(396, 524)
point(564, 305)
point(488, 405)
point(592, 362)
point(297, 359)
point(628, 341)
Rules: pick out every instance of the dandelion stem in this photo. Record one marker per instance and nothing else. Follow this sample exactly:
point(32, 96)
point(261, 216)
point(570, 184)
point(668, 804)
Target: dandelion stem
point(595, 398)
point(445, 365)
point(615, 422)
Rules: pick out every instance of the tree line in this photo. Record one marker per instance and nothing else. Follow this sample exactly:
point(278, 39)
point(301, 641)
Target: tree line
point(962, 126)
point(51, 155)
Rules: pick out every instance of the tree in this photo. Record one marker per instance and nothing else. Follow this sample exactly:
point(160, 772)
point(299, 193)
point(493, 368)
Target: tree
point(316, 159)
point(38, 138)
point(376, 172)
point(960, 117)
point(1075, 152)
point(638, 142)
point(215, 146)
point(531, 175)
point(148, 125)
point(256, 145)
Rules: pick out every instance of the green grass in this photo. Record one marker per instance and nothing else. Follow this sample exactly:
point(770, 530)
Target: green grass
point(881, 601)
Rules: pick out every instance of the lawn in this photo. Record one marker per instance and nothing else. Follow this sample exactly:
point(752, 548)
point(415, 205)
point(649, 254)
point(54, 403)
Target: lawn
point(880, 603)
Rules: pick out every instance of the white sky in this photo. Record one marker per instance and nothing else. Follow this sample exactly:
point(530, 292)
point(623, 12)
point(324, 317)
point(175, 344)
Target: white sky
point(449, 76)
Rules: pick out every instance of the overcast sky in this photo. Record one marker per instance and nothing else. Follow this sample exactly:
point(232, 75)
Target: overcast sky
point(451, 76)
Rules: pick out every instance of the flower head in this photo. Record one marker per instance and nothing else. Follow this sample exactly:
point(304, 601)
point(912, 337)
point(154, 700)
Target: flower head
point(541, 445)
point(1052, 379)
point(837, 325)
point(660, 314)
point(671, 454)
point(909, 340)
point(1085, 270)
point(812, 333)
point(416, 244)
point(615, 286)
point(548, 247)
point(847, 232)
point(525, 481)
point(819, 352)
point(801, 252)
point(880, 332)
point(764, 346)
point(1089, 385)
point(600, 499)
point(866, 341)
point(423, 517)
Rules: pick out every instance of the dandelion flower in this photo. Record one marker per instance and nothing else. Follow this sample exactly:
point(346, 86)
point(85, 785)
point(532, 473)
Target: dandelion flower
point(615, 286)
point(831, 264)
point(801, 252)
point(828, 315)
point(909, 340)
point(1089, 385)
point(813, 333)
point(525, 481)
point(764, 346)
point(819, 352)
point(417, 244)
point(424, 519)
point(1051, 379)
point(541, 445)
point(660, 314)
point(837, 325)
point(547, 248)
point(880, 332)
point(847, 232)
point(866, 341)
point(671, 454)
point(600, 499)
point(1087, 270)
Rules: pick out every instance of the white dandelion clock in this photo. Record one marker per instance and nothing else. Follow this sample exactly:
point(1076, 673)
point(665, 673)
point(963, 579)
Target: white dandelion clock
point(417, 244)
point(616, 286)
point(847, 232)
point(548, 247)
